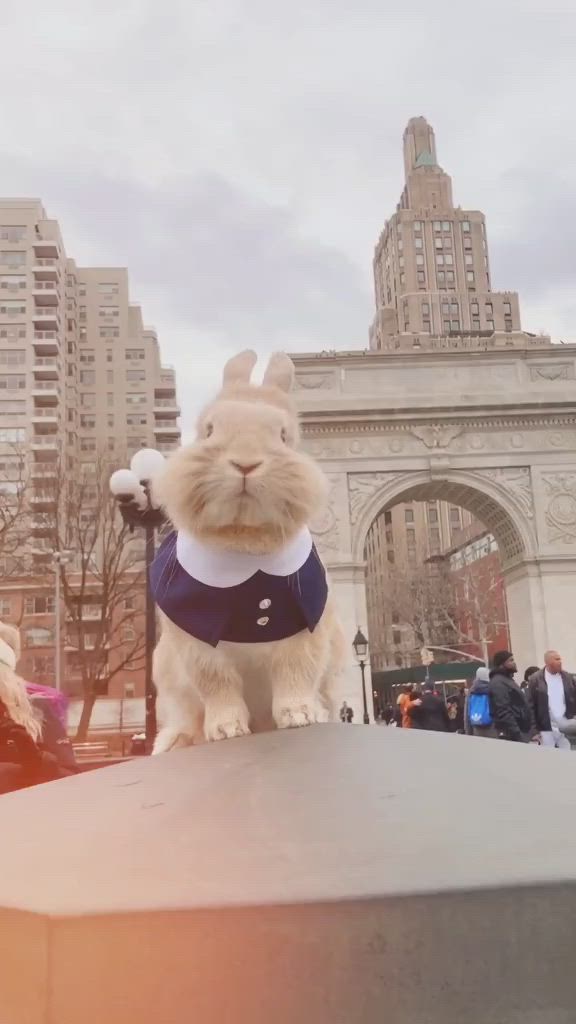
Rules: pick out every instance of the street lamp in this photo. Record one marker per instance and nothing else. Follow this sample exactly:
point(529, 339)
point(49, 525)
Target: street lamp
point(360, 645)
point(59, 558)
point(131, 488)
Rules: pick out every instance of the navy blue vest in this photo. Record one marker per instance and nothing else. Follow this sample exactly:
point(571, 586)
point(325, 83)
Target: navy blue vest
point(262, 608)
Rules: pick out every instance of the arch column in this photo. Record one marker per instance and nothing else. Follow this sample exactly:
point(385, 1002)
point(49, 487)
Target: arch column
point(348, 585)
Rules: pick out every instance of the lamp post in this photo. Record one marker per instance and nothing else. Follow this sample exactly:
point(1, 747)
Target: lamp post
point(360, 645)
point(59, 558)
point(131, 488)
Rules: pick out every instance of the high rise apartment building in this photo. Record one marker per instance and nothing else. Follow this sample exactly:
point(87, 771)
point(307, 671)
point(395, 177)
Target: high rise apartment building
point(431, 278)
point(81, 382)
point(431, 263)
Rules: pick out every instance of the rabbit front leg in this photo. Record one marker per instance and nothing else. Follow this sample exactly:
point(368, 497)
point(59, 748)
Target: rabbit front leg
point(219, 685)
point(297, 668)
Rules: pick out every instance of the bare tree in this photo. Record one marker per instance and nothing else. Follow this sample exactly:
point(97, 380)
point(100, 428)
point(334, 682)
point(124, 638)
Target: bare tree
point(102, 585)
point(443, 607)
point(14, 513)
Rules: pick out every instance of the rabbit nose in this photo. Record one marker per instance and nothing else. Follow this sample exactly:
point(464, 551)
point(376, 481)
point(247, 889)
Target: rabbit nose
point(245, 469)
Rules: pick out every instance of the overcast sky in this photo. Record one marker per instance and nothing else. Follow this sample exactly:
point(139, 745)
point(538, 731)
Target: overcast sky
point(241, 156)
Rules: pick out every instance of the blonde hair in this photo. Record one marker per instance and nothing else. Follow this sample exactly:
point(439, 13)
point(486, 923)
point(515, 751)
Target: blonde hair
point(13, 689)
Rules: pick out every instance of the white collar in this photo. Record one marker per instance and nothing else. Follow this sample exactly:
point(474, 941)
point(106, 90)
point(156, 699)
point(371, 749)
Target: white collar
point(7, 655)
point(218, 568)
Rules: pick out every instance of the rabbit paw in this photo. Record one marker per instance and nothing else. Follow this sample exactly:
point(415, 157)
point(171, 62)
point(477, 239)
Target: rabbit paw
point(170, 739)
point(297, 715)
point(225, 723)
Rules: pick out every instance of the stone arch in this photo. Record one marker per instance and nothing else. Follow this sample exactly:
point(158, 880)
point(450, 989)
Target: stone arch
point(500, 498)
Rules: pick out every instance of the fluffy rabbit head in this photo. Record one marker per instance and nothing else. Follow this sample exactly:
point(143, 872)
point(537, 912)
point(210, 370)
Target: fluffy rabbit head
point(243, 484)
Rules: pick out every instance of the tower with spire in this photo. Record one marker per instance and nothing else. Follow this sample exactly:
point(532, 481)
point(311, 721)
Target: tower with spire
point(431, 265)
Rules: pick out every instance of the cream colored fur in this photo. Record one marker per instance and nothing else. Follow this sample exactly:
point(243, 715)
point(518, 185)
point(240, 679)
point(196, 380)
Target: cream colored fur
point(230, 689)
point(13, 689)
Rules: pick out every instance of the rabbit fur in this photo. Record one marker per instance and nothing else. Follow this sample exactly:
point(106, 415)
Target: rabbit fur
point(230, 689)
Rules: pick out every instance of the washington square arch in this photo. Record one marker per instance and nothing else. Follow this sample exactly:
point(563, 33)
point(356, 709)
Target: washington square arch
point(490, 428)
point(452, 401)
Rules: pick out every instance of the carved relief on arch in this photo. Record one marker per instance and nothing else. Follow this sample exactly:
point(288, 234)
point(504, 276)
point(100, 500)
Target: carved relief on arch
point(361, 487)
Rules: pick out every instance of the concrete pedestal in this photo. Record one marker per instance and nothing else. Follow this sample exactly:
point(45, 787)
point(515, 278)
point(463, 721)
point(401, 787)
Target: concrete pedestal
point(321, 876)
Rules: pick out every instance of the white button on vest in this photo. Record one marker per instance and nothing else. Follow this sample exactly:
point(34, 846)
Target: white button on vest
point(263, 621)
point(265, 603)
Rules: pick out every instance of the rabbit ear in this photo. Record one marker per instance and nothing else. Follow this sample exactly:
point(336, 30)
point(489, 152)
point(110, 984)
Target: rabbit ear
point(279, 372)
point(239, 368)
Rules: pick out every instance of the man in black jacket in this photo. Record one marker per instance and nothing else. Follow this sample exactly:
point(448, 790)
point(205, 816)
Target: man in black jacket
point(430, 712)
point(552, 699)
point(510, 711)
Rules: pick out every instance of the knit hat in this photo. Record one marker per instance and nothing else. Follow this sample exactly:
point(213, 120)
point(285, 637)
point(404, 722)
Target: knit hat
point(482, 676)
point(501, 657)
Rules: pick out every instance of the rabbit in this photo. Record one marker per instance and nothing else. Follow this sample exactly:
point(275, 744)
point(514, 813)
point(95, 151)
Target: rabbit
point(247, 618)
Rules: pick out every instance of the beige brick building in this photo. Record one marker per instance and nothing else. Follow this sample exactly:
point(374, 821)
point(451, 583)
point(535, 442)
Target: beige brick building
point(81, 379)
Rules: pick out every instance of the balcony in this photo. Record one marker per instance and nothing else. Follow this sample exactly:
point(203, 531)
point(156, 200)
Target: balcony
point(43, 473)
point(166, 407)
point(46, 342)
point(43, 500)
point(45, 294)
point(43, 525)
point(46, 390)
point(46, 318)
point(46, 269)
point(46, 441)
point(47, 367)
point(167, 429)
point(46, 248)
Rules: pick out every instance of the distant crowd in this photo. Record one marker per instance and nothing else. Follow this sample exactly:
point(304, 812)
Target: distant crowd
point(541, 709)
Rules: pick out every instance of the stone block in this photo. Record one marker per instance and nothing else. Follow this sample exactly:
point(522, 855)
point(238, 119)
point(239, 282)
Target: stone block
point(330, 875)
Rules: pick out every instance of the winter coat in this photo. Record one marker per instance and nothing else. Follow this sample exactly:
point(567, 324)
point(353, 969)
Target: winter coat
point(510, 711)
point(431, 714)
point(537, 695)
point(17, 748)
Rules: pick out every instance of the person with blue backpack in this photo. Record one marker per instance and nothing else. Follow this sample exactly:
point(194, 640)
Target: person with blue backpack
point(478, 713)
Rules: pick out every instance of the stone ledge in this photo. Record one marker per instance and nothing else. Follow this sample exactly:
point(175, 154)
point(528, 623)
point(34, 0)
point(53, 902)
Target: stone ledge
point(322, 875)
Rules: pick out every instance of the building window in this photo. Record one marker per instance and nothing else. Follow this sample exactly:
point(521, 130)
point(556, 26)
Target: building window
point(470, 276)
point(87, 377)
point(449, 259)
point(39, 605)
point(454, 325)
point(87, 356)
point(135, 353)
point(468, 259)
point(425, 309)
point(5, 608)
point(109, 332)
point(108, 288)
point(129, 604)
point(136, 399)
point(450, 276)
point(490, 325)
point(446, 225)
point(455, 516)
point(507, 309)
point(508, 325)
point(396, 637)
point(14, 332)
point(417, 225)
point(38, 637)
point(432, 515)
point(390, 556)
point(12, 356)
point(408, 515)
point(129, 690)
point(418, 243)
point(465, 225)
point(454, 308)
point(447, 325)
point(489, 309)
point(13, 258)
point(88, 400)
point(437, 225)
point(402, 281)
point(12, 382)
point(410, 536)
point(12, 308)
point(43, 665)
point(439, 259)
point(421, 277)
point(12, 232)
point(419, 260)
point(467, 243)
point(475, 309)
point(438, 243)
point(109, 311)
point(86, 421)
point(475, 325)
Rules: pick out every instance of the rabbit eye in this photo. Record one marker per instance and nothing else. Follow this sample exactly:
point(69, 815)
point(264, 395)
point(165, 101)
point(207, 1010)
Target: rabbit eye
point(284, 434)
point(209, 429)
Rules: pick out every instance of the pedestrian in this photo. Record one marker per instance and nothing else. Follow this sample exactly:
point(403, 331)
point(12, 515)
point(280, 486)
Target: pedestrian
point(478, 718)
point(430, 712)
point(456, 704)
point(510, 710)
point(530, 671)
point(552, 700)
point(23, 759)
point(406, 701)
point(346, 713)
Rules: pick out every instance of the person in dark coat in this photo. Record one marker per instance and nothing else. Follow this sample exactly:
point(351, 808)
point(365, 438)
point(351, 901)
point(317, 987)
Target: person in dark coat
point(430, 711)
point(30, 764)
point(510, 710)
point(54, 737)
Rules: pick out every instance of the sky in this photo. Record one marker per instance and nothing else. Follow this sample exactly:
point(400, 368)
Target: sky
point(240, 157)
